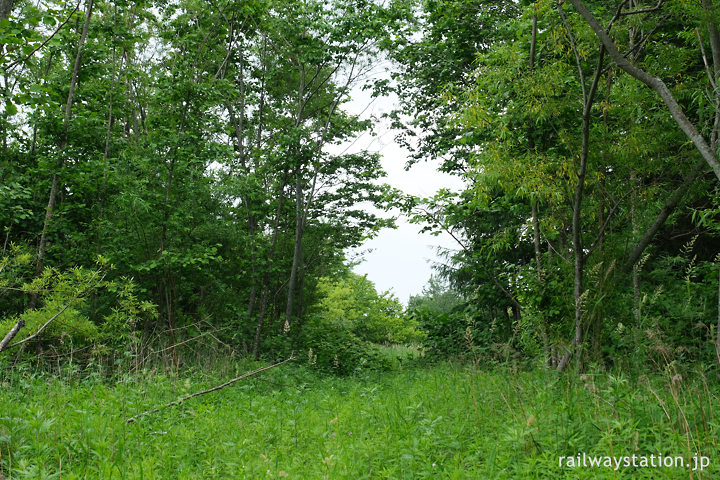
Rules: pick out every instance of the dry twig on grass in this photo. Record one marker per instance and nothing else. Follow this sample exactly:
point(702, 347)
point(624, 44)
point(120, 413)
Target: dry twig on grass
point(213, 389)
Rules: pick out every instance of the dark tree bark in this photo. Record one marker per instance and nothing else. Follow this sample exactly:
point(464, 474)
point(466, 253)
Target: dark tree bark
point(298, 250)
point(6, 7)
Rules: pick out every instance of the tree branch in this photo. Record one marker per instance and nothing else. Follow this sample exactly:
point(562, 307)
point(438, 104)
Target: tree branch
point(213, 389)
point(665, 212)
point(654, 83)
point(705, 60)
point(20, 60)
point(643, 10)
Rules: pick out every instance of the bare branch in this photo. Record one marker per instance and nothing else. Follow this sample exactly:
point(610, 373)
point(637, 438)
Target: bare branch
point(643, 10)
point(665, 212)
point(705, 61)
point(213, 389)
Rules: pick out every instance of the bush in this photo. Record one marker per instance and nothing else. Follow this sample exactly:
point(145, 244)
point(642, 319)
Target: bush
point(334, 348)
point(62, 321)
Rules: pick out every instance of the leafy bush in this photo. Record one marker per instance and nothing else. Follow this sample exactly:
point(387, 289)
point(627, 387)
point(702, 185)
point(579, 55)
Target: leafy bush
point(443, 332)
point(349, 320)
point(333, 348)
point(71, 329)
point(61, 322)
point(353, 303)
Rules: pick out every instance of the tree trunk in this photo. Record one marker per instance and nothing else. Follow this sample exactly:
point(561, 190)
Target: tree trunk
point(538, 265)
point(266, 278)
point(108, 132)
point(665, 212)
point(535, 221)
point(238, 124)
point(298, 250)
point(635, 232)
point(5, 9)
point(52, 198)
point(577, 241)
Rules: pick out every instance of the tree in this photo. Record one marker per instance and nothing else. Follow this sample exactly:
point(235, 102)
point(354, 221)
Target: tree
point(563, 167)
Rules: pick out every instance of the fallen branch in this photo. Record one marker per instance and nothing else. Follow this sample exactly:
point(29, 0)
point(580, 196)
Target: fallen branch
point(213, 389)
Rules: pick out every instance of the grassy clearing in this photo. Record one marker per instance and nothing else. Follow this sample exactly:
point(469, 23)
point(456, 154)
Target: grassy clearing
point(437, 422)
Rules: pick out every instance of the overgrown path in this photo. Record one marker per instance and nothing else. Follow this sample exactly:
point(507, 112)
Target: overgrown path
point(441, 421)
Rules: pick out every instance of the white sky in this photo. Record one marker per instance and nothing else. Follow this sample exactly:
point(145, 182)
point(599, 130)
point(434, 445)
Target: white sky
point(399, 260)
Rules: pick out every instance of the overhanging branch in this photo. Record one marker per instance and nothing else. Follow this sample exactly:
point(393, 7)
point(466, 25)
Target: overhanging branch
point(654, 83)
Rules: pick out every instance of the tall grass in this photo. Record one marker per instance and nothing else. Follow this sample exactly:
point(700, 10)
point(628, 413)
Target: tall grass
point(446, 421)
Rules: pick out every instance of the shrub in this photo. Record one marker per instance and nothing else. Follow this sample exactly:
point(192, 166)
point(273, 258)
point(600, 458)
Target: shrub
point(334, 348)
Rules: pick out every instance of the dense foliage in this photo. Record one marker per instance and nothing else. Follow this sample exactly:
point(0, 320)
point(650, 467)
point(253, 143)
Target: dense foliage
point(177, 198)
point(580, 233)
point(170, 172)
point(191, 146)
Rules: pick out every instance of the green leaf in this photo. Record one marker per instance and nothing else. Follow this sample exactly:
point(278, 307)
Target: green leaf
point(10, 108)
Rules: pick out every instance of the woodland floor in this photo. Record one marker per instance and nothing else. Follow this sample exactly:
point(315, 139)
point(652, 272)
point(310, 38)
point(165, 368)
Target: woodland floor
point(441, 421)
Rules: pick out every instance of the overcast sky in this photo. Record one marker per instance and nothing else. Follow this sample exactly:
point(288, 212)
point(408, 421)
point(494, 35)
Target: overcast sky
point(399, 260)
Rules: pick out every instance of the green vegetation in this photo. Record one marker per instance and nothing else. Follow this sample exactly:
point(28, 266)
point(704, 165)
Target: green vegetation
point(175, 188)
point(580, 234)
point(448, 421)
point(192, 147)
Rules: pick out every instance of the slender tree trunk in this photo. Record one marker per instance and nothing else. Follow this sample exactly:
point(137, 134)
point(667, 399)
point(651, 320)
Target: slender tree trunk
point(538, 265)
point(536, 238)
point(4, 93)
point(266, 278)
point(636, 233)
point(533, 201)
point(238, 124)
point(577, 240)
point(299, 205)
point(108, 132)
point(5, 9)
point(534, 211)
point(665, 212)
point(714, 36)
point(52, 198)
point(298, 250)
point(579, 263)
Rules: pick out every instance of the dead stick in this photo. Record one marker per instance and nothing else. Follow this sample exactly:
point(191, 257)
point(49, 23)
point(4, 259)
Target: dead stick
point(197, 394)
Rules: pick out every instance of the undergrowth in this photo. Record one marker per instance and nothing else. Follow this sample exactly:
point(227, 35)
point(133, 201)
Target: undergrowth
point(444, 421)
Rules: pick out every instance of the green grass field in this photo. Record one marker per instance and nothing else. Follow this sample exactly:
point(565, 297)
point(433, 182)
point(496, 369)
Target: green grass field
point(442, 421)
